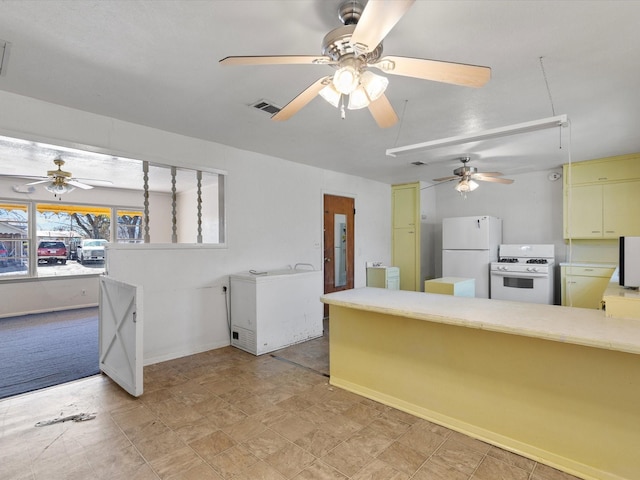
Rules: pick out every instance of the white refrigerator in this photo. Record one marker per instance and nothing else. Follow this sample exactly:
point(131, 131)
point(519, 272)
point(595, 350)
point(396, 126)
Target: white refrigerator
point(469, 245)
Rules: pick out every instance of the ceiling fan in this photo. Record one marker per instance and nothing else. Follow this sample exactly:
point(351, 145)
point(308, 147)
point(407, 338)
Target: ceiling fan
point(58, 181)
point(355, 47)
point(468, 175)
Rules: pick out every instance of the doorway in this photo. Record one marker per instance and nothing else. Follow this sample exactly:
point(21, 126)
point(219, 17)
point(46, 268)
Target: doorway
point(339, 215)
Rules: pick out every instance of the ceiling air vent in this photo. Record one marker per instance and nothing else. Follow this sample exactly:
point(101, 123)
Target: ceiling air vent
point(417, 163)
point(266, 106)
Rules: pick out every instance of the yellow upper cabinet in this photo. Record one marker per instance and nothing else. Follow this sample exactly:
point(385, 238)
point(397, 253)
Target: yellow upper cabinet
point(583, 212)
point(406, 205)
point(621, 209)
point(612, 169)
point(602, 198)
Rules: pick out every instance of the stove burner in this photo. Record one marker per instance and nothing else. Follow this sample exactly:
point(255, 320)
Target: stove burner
point(537, 260)
point(508, 260)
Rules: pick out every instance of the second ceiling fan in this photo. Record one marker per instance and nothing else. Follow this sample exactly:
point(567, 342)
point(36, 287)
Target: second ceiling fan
point(467, 176)
point(355, 47)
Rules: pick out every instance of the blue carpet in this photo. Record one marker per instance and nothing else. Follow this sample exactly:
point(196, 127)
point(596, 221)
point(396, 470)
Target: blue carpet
point(41, 350)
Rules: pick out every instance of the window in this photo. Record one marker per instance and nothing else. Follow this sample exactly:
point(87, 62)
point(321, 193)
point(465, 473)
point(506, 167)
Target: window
point(14, 239)
point(129, 226)
point(136, 202)
point(61, 231)
point(69, 226)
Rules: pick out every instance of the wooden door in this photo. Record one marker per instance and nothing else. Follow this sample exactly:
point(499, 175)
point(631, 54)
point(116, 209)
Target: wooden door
point(120, 332)
point(339, 214)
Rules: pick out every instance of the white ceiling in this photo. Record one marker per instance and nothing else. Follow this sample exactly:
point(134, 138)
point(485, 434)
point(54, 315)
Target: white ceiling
point(155, 63)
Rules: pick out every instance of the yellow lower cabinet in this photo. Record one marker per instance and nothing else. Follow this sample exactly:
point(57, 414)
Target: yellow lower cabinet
point(584, 286)
point(405, 257)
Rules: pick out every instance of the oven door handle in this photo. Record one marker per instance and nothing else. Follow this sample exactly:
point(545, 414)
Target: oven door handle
point(519, 274)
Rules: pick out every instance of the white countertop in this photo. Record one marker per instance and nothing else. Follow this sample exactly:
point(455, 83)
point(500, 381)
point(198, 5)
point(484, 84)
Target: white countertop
point(579, 326)
point(615, 290)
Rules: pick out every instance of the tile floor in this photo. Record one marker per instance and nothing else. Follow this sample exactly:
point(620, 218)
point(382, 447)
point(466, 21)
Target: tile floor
point(226, 414)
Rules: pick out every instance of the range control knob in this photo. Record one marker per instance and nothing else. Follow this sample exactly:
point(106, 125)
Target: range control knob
point(532, 269)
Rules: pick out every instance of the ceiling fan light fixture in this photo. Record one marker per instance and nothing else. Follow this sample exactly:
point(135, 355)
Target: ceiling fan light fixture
point(466, 185)
point(331, 95)
point(358, 99)
point(346, 79)
point(371, 88)
point(374, 85)
point(59, 188)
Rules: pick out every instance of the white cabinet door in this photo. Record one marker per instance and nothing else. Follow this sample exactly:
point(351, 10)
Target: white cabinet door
point(120, 332)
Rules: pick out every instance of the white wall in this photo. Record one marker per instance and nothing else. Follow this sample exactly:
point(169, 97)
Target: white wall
point(35, 295)
point(429, 225)
point(274, 218)
point(187, 215)
point(530, 209)
point(274, 211)
point(95, 196)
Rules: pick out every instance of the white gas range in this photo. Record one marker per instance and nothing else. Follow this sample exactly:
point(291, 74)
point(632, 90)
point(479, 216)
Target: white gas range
point(523, 273)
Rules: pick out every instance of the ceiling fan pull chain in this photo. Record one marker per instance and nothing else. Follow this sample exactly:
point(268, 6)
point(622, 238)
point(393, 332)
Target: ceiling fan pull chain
point(343, 113)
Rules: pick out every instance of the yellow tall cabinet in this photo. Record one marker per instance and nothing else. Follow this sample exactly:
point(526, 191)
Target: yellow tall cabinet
point(406, 234)
point(602, 198)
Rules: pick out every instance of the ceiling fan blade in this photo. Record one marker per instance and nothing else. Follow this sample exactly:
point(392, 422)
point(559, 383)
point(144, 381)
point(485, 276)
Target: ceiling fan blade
point(446, 179)
point(94, 181)
point(377, 20)
point(447, 72)
point(39, 181)
point(383, 113)
point(291, 108)
point(27, 177)
point(278, 60)
point(489, 174)
point(75, 183)
point(493, 179)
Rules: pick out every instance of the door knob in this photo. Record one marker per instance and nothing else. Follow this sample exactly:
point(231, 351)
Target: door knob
point(327, 259)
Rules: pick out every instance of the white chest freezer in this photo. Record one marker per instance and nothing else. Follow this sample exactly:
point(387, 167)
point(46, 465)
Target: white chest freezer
point(275, 309)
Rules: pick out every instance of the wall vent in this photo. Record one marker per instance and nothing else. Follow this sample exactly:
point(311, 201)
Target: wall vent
point(266, 107)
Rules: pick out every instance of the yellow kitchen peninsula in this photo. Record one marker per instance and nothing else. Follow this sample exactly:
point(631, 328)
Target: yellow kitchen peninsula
point(557, 384)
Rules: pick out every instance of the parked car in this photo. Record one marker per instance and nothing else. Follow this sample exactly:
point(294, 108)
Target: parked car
point(91, 250)
point(4, 254)
point(52, 252)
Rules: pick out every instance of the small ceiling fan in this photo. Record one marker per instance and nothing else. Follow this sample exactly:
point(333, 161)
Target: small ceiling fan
point(468, 175)
point(355, 47)
point(58, 181)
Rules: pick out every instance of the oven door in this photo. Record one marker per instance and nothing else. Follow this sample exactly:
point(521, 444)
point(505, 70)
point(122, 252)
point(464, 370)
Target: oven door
point(521, 287)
